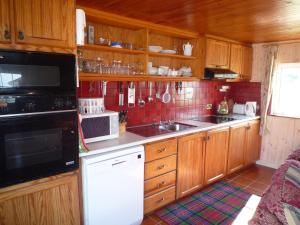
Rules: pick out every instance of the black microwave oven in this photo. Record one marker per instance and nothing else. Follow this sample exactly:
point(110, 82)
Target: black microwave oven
point(38, 115)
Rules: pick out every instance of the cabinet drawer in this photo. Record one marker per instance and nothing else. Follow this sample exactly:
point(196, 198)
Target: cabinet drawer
point(160, 183)
point(160, 166)
point(158, 200)
point(160, 149)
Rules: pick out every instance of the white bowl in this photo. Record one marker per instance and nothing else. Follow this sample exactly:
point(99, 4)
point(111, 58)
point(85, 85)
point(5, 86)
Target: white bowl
point(153, 70)
point(154, 48)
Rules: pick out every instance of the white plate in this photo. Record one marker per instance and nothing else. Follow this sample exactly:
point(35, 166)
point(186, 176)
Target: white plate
point(167, 51)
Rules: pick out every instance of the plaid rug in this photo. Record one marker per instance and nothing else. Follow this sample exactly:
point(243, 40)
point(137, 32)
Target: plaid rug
point(217, 204)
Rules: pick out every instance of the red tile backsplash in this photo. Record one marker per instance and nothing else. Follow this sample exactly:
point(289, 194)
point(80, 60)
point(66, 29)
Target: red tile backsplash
point(204, 92)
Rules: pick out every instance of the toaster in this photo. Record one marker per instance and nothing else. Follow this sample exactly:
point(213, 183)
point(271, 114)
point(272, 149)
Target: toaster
point(238, 108)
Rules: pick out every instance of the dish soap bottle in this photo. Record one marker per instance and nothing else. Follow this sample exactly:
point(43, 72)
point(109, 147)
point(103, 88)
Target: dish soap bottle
point(223, 107)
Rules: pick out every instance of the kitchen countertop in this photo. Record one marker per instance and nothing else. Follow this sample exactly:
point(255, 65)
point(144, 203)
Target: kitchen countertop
point(128, 139)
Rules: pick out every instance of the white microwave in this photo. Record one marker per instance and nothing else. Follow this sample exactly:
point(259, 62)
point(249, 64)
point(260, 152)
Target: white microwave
point(99, 127)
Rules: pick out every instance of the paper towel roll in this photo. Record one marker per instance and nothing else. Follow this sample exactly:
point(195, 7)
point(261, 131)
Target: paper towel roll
point(80, 25)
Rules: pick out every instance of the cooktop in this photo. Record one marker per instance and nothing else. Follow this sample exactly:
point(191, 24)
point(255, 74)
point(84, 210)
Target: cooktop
point(214, 119)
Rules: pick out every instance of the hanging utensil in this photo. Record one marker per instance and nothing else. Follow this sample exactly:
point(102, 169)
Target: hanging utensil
point(157, 95)
point(174, 94)
point(150, 98)
point(141, 102)
point(91, 87)
point(166, 97)
point(131, 95)
point(104, 84)
point(121, 94)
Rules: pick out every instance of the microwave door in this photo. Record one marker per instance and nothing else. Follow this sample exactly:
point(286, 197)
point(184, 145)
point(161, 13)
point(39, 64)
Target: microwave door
point(96, 128)
point(36, 73)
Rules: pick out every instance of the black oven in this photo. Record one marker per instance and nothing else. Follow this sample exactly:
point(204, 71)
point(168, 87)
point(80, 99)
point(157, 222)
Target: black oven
point(38, 116)
point(36, 146)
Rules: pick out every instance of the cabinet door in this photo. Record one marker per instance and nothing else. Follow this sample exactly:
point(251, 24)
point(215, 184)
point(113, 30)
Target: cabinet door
point(45, 22)
point(5, 23)
point(236, 58)
point(190, 163)
point(237, 143)
point(54, 201)
point(216, 154)
point(253, 144)
point(247, 63)
point(217, 53)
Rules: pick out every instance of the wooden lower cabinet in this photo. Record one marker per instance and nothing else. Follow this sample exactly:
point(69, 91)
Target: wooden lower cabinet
point(237, 147)
point(159, 199)
point(216, 154)
point(244, 145)
point(49, 201)
point(190, 164)
point(159, 183)
point(253, 143)
point(160, 174)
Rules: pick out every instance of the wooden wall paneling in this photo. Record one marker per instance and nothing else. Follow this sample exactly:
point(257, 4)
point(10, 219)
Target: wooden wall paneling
point(283, 136)
point(279, 142)
point(47, 201)
point(53, 23)
point(216, 154)
point(238, 20)
point(190, 165)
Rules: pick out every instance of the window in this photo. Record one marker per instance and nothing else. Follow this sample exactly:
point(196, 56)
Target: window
point(286, 90)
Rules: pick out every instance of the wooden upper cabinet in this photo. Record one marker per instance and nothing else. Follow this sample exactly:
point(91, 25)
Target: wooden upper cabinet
point(247, 63)
point(5, 23)
point(190, 163)
point(217, 53)
point(237, 146)
point(216, 154)
point(45, 22)
point(236, 58)
point(253, 145)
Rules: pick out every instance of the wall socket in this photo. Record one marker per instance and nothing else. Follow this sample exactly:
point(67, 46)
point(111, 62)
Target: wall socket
point(209, 106)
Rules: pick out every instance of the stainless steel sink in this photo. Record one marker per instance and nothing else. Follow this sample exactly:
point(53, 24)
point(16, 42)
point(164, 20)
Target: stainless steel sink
point(175, 126)
point(157, 129)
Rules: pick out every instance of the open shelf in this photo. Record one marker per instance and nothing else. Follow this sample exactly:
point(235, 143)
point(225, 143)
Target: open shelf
point(117, 77)
point(171, 55)
point(111, 49)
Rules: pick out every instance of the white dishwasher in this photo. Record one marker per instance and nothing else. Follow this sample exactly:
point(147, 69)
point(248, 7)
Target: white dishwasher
point(113, 187)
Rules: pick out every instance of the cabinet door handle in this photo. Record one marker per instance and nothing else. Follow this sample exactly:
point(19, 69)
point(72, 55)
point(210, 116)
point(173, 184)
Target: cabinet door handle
point(161, 167)
point(20, 35)
point(161, 150)
point(7, 34)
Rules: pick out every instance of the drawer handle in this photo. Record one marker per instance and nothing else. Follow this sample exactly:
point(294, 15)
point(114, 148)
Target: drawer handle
point(161, 184)
point(161, 150)
point(160, 200)
point(161, 167)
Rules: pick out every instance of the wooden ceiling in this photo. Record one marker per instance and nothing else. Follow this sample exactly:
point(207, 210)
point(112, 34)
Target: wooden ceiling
point(242, 20)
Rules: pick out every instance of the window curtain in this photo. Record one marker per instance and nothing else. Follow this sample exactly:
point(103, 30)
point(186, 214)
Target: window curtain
point(267, 83)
